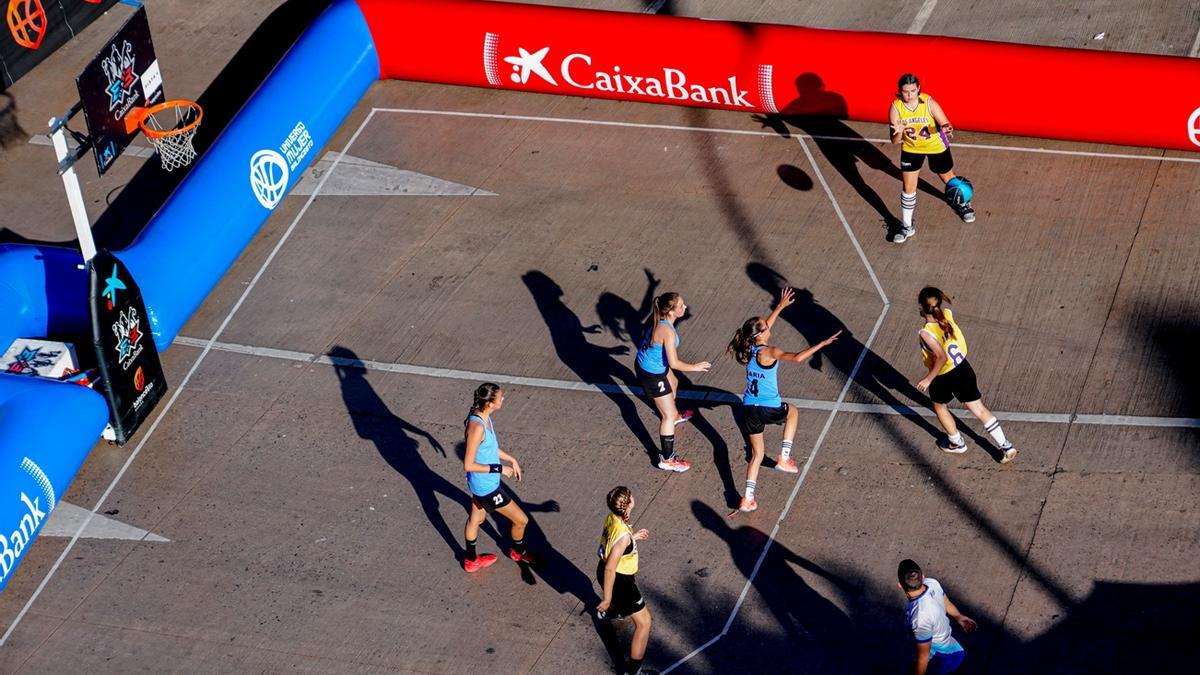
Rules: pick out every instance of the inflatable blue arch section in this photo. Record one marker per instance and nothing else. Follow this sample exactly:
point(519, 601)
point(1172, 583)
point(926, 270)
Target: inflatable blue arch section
point(47, 428)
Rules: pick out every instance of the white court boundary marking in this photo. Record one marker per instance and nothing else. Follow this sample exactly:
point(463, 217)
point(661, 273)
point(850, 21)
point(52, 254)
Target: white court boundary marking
point(922, 17)
point(812, 455)
point(748, 132)
point(1195, 47)
point(175, 396)
point(718, 396)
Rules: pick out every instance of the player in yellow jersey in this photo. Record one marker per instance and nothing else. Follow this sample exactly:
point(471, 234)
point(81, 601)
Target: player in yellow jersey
point(944, 351)
point(618, 565)
point(920, 125)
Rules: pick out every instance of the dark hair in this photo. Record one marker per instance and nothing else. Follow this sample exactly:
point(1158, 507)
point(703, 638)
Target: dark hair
point(618, 500)
point(663, 305)
point(931, 300)
point(484, 394)
point(905, 79)
point(910, 576)
point(742, 344)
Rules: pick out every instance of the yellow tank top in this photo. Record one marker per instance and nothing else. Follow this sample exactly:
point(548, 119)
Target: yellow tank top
point(921, 133)
point(955, 347)
point(614, 528)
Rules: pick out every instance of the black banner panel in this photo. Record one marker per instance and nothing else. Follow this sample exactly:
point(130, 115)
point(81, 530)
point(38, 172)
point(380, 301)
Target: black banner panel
point(131, 375)
point(34, 29)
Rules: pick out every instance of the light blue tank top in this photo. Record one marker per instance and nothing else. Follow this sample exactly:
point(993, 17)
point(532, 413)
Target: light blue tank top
point(762, 384)
point(488, 453)
point(651, 357)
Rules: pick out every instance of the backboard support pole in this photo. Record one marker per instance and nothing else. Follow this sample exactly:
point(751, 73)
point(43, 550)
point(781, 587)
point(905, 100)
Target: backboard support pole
point(66, 168)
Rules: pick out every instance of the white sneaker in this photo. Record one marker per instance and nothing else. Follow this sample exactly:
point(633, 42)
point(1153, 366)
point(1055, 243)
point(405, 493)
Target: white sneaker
point(947, 446)
point(903, 234)
point(1009, 453)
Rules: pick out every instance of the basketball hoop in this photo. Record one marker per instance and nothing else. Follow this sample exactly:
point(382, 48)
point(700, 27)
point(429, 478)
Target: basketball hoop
point(170, 126)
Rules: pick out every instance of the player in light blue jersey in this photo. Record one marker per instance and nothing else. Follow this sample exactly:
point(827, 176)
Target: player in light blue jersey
point(482, 462)
point(929, 611)
point(761, 402)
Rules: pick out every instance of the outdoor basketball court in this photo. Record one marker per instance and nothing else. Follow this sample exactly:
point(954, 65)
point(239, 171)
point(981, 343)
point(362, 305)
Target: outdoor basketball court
point(308, 480)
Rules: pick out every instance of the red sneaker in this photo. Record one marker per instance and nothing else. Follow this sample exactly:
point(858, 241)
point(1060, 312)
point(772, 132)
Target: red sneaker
point(748, 505)
point(786, 465)
point(526, 557)
point(674, 464)
point(481, 561)
point(685, 416)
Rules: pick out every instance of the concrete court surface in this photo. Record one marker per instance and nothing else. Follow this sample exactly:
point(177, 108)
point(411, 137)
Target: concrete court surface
point(314, 508)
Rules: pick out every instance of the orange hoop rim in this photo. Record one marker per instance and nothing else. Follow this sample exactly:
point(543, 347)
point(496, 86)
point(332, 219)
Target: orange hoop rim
point(137, 117)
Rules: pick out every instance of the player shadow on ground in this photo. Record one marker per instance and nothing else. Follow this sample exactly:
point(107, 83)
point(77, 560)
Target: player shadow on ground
point(592, 364)
point(1174, 339)
point(628, 324)
point(819, 112)
point(397, 443)
point(875, 375)
point(807, 631)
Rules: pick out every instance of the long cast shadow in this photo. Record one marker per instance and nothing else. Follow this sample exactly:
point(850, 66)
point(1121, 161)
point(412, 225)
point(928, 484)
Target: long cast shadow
point(397, 443)
point(592, 364)
point(819, 112)
point(628, 323)
point(876, 375)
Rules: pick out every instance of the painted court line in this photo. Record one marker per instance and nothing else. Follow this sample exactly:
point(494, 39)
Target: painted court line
point(1195, 47)
point(922, 17)
point(747, 132)
point(717, 397)
point(149, 433)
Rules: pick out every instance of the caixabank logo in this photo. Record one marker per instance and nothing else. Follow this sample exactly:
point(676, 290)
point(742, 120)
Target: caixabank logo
point(579, 70)
point(25, 516)
point(1194, 127)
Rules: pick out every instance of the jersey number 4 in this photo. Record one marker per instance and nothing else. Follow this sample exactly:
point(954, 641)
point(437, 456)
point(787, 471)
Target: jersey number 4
point(752, 387)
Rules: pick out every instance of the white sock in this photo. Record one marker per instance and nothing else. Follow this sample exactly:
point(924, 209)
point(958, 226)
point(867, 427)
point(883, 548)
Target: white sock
point(956, 439)
point(992, 426)
point(908, 204)
point(750, 489)
point(786, 451)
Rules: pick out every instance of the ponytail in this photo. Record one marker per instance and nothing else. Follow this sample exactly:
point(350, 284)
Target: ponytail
point(931, 300)
point(663, 305)
point(619, 499)
point(742, 344)
point(484, 394)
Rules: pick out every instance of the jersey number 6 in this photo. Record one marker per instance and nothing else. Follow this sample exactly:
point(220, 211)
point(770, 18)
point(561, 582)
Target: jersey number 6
point(955, 355)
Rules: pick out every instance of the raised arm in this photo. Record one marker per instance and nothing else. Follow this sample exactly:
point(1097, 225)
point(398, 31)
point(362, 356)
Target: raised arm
point(786, 297)
point(801, 357)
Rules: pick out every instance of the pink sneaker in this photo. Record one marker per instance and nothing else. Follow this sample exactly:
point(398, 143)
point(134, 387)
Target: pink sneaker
point(481, 561)
point(786, 465)
point(674, 464)
point(526, 557)
point(685, 416)
point(748, 505)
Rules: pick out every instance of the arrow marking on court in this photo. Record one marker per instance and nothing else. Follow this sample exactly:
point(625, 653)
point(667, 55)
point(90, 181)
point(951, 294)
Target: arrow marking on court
point(358, 177)
point(66, 518)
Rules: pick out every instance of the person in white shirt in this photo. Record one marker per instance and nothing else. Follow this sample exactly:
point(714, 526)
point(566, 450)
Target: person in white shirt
point(929, 612)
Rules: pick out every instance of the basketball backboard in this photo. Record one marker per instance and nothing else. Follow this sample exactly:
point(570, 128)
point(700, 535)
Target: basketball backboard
point(122, 76)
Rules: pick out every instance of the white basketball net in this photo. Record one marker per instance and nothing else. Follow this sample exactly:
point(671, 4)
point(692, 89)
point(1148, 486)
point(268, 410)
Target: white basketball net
point(175, 144)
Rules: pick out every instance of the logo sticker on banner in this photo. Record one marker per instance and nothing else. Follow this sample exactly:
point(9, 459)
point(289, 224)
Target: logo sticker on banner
point(27, 22)
point(33, 512)
point(577, 71)
point(1194, 127)
point(270, 170)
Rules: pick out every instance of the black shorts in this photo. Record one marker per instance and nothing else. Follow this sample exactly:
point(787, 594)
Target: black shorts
point(626, 598)
point(757, 417)
point(497, 499)
point(959, 383)
point(942, 162)
point(655, 386)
